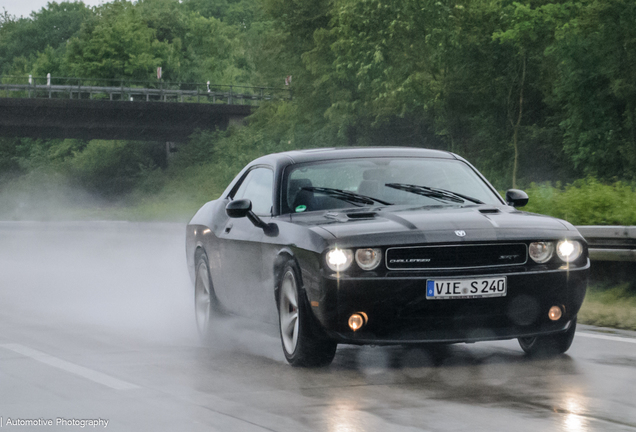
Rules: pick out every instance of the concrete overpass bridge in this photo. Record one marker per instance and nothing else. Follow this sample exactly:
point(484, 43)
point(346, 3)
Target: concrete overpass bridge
point(100, 109)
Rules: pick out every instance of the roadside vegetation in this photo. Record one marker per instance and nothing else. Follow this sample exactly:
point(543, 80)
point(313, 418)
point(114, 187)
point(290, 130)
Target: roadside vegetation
point(609, 307)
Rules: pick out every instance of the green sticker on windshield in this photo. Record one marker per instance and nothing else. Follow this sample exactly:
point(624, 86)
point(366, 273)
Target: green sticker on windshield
point(301, 208)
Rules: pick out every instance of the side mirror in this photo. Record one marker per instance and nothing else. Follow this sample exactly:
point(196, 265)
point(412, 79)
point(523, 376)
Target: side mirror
point(516, 197)
point(238, 208)
point(243, 208)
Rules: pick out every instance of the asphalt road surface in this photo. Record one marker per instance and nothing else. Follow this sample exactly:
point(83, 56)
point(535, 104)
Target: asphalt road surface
point(97, 332)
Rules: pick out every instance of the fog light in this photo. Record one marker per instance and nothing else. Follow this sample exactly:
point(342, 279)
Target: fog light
point(555, 313)
point(541, 252)
point(357, 320)
point(368, 259)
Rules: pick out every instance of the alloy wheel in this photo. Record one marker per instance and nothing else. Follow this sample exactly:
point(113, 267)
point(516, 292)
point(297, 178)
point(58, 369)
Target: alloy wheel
point(288, 312)
point(202, 299)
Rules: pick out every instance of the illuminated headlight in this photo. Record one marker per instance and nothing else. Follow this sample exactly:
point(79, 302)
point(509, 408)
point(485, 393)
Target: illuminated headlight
point(339, 259)
point(541, 252)
point(368, 259)
point(569, 250)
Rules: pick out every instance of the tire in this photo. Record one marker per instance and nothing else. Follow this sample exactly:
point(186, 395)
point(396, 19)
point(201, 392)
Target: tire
point(300, 346)
point(205, 302)
point(551, 345)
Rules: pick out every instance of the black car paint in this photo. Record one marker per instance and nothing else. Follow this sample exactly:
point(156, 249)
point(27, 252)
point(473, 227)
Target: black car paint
point(245, 263)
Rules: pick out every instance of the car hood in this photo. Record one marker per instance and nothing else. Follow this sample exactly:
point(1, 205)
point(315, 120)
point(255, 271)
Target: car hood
point(443, 224)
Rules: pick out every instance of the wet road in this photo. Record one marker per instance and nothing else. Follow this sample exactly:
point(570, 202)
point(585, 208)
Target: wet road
point(96, 325)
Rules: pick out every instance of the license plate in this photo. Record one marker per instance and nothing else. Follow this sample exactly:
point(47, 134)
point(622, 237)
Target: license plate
point(469, 288)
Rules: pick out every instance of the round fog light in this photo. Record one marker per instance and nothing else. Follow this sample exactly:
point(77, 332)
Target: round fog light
point(541, 252)
point(555, 313)
point(368, 259)
point(357, 320)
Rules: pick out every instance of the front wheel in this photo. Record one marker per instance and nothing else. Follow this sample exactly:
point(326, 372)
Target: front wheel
point(550, 345)
point(205, 303)
point(300, 346)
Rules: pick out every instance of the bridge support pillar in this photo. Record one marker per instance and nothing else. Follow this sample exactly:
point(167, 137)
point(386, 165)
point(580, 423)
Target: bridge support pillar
point(171, 147)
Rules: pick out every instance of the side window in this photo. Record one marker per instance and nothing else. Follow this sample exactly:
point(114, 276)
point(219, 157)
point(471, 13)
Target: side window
point(257, 187)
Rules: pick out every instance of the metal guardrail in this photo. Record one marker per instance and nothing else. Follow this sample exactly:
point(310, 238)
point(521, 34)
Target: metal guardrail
point(80, 88)
point(610, 243)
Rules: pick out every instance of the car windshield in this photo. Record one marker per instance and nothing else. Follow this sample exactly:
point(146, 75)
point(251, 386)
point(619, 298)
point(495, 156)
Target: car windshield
point(383, 181)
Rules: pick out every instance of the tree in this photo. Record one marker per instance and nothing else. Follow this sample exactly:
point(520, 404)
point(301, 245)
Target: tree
point(116, 43)
point(51, 26)
point(595, 87)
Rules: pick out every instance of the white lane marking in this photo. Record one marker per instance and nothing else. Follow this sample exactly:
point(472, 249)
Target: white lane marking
point(89, 374)
point(606, 337)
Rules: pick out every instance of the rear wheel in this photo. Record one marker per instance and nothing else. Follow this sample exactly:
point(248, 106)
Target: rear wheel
point(550, 345)
point(300, 346)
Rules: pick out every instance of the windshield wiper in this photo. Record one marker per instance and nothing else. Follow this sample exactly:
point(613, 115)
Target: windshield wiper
point(346, 195)
point(434, 192)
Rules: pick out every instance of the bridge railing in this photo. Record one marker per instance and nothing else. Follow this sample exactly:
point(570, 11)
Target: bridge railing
point(129, 90)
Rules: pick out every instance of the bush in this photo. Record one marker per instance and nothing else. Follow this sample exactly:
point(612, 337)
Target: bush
point(585, 202)
point(113, 168)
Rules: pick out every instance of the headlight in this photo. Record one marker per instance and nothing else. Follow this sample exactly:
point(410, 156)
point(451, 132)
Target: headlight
point(541, 252)
point(569, 250)
point(368, 259)
point(339, 259)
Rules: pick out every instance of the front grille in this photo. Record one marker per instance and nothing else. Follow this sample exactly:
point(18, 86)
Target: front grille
point(456, 256)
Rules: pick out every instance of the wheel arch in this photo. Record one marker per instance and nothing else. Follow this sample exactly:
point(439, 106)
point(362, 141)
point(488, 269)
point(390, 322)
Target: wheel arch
point(283, 257)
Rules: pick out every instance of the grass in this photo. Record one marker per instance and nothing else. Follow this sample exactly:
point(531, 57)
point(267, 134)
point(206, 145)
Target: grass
point(614, 307)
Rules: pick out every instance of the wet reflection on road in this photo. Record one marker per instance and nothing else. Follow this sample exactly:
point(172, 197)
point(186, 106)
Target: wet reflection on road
point(573, 420)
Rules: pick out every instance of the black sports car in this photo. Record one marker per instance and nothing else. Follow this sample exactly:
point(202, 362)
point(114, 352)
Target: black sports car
point(384, 246)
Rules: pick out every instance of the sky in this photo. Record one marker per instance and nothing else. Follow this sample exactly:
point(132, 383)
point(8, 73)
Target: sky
point(25, 7)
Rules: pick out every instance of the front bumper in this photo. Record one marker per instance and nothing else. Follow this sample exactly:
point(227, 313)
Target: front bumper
point(399, 313)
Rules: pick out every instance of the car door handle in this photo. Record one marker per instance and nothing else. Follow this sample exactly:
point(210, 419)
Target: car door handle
point(228, 228)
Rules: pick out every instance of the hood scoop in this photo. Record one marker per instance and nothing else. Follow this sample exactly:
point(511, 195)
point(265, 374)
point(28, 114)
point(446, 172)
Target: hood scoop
point(489, 211)
point(361, 215)
point(353, 216)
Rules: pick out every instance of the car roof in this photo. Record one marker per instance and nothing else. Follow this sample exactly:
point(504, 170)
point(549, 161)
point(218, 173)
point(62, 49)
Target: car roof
point(336, 153)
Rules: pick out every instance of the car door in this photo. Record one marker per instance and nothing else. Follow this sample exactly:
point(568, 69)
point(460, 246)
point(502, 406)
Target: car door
point(240, 269)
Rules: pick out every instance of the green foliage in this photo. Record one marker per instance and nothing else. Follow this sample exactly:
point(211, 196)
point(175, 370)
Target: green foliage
point(113, 168)
point(585, 202)
point(596, 87)
point(52, 26)
point(116, 43)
